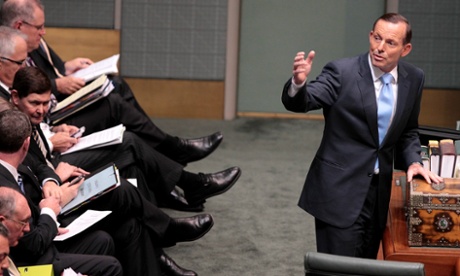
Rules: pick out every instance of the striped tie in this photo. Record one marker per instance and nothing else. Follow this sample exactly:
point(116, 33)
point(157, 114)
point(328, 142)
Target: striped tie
point(21, 184)
point(39, 141)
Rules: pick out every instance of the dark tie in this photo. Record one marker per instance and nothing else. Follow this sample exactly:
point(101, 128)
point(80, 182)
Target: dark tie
point(385, 104)
point(21, 183)
point(30, 62)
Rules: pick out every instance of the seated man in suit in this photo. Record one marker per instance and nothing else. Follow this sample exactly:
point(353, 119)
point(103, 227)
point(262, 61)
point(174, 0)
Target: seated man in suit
point(31, 94)
point(138, 227)
point(40, 227)
point(7, 267)
point(15, 217)
point(162, 173)
point(28, 17)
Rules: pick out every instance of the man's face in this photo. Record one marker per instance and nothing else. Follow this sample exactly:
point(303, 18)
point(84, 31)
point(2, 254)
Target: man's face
point(386, 44)
point(34, 29)
point(10, 65)
point(18, 224)
point(4, 251)
point(35, 106)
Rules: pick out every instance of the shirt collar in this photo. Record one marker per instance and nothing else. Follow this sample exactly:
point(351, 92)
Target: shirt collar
point(10, 168)
point(377, 73)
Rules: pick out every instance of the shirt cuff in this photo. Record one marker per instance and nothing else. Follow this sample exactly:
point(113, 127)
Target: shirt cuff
point(49, 179)
point(294, 88)
point(48, 211)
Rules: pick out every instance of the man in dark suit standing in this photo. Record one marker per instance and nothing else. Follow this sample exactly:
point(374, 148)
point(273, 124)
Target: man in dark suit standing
point(348, 186)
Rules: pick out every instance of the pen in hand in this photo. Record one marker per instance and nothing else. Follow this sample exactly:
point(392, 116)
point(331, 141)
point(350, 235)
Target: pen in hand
point(76, 180)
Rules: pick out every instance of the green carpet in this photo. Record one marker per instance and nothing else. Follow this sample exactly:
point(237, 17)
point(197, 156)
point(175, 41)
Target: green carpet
point(259, 229)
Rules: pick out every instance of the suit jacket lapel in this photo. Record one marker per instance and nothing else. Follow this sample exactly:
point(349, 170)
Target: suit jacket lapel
point(403, 93)
point(4, 94)
point(29, 178)
point(367, 90)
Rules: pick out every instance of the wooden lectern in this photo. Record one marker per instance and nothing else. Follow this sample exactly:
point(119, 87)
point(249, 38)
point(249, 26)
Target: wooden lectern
point(438, 261)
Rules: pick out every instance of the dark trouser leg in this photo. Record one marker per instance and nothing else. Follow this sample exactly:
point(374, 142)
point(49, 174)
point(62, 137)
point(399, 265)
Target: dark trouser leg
point(160, 173)
point(127, 202)
point(124, 90)
point(94, 265)
point(135, 249)
point(362, 239)
point(90, 242)
point(112, 111)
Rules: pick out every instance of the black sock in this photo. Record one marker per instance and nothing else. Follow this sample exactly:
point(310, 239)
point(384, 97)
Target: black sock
point(189, 181)
point(168, 145)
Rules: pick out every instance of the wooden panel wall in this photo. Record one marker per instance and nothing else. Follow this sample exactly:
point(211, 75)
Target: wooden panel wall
point(440, 107)
point(95, 44)
point(158, 97)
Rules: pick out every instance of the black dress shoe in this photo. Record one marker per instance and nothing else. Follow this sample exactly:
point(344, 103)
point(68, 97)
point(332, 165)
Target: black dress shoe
point(176, 201)
point(169, 267)
point(191, 150)
point(213, 184)
point(189, 229)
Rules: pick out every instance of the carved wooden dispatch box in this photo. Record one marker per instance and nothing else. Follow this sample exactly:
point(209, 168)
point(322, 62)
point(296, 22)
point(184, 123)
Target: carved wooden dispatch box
point(433, 213)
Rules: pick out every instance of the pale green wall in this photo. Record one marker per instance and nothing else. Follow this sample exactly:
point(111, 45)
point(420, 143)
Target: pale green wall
point(273, 31)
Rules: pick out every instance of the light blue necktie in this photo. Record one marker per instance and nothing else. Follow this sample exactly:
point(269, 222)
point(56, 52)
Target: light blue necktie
point(385, 104)
point(21, 184)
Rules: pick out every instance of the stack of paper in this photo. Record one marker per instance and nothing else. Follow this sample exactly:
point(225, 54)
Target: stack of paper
point(103, 138)
point(87, 95)
point(106, 66)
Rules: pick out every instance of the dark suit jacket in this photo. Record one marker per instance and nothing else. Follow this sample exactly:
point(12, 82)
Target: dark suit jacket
point(341, 172)
point(37, 245)
point(4, 94)
point(41, 61)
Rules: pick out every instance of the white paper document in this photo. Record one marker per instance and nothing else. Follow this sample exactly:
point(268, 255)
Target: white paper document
point(106, 66)
point(83, 222)
point(103, 138)
point(70, 272)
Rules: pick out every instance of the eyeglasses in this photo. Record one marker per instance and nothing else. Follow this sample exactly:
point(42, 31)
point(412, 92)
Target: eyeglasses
point(3, 256)
point(38, 27)
point(18, 62)
point(22, 223)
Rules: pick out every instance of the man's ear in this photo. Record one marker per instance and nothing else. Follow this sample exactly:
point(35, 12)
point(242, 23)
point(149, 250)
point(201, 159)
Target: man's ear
point(17, 25)
point(26, 144)
point(2, 219)
point(14, 97)
point(406, 50)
